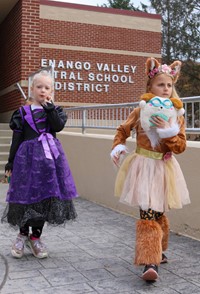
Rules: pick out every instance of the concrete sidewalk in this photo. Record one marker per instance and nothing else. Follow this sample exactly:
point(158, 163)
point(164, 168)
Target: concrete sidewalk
point(94, 255)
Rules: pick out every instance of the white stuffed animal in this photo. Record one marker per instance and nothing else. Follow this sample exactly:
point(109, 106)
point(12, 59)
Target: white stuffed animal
point(164, 108)
point(157, 106)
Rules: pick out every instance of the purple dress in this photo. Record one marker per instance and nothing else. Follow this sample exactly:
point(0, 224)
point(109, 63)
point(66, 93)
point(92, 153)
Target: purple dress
point(42, 186)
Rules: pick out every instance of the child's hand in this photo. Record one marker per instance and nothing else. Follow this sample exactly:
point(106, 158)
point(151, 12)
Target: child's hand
point(116, 158)
point(161, 123)
point(7, 176)
point(8, 173)
point(48, 99)
point(48, 105)
point(117, 152)
point(8, 169)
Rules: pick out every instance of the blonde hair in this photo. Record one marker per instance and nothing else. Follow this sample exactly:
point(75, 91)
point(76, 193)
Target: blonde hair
point(37, 75)
point(43, 73)
point(150, 82)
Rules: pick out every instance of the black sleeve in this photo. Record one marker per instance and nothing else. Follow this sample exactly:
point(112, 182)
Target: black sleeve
point(16, 124)
point(56, 117)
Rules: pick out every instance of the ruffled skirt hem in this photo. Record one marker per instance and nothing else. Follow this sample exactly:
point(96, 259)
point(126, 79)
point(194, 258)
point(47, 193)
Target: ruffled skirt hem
point(51, 210)
point(151, 183)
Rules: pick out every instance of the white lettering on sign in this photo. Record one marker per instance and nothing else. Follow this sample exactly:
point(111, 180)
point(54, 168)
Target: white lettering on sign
point(81, 87)
point(116, 68)
point(89, 77)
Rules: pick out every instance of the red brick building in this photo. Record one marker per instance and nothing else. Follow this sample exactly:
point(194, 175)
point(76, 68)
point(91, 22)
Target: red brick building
point(98, 53)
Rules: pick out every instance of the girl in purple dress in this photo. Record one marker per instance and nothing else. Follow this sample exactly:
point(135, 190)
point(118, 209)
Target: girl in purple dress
point(42, 187)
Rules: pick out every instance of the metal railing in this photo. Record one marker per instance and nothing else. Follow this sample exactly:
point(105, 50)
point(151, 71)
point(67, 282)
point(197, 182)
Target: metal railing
point(192, 114)
point(110, 116)
point(105, 116)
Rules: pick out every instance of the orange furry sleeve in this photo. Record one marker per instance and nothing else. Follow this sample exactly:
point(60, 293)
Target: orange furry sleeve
point(124, 130)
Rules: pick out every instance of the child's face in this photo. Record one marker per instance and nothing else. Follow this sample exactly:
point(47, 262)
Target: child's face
point(42, 89)
point(162, 86)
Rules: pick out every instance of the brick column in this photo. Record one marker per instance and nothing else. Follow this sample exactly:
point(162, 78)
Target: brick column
point(19, 50)
point(30, 37)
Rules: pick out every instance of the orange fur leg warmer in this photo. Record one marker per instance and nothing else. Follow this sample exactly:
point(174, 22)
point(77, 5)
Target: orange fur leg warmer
point(164, 223)
point(148, 242)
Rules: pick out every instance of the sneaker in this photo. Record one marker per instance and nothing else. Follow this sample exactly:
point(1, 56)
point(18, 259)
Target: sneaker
point(18, 247)
point(37, 248)
point(150, 272)
point(164, 259)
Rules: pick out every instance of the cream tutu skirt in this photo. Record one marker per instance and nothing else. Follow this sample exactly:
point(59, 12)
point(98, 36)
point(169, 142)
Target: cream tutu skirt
point(151, 183)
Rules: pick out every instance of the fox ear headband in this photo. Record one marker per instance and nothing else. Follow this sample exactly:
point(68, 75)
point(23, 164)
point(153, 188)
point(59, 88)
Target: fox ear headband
point(153, 67)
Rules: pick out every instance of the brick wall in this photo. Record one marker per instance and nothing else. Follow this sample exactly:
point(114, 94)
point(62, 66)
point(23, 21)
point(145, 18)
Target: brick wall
point(23, 32)
point(19, 50)
point(10, 101)
point(10, 47)
point(87, 35)
point(104, 37)
point(118, 92)
point(30, 37)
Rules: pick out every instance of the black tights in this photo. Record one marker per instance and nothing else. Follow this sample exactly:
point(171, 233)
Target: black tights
point(36, 230)
point(150, 214)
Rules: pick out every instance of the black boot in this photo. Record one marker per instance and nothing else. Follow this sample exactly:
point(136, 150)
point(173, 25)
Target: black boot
point(150, 272)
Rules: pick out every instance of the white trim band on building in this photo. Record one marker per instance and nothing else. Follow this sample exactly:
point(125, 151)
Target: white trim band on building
point(99, 50)
point(100, 19)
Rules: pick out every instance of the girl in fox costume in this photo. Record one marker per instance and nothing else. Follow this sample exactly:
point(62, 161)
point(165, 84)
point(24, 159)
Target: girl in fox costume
point(151, 178)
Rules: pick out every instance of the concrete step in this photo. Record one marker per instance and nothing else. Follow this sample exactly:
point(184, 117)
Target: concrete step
point(4, 156)
point(5, 140)
point(2, 179)
point(2, 173)
point(4, 126)
point(6, 133)
point(2, 164)
point(4, 147)
point(3, 193)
